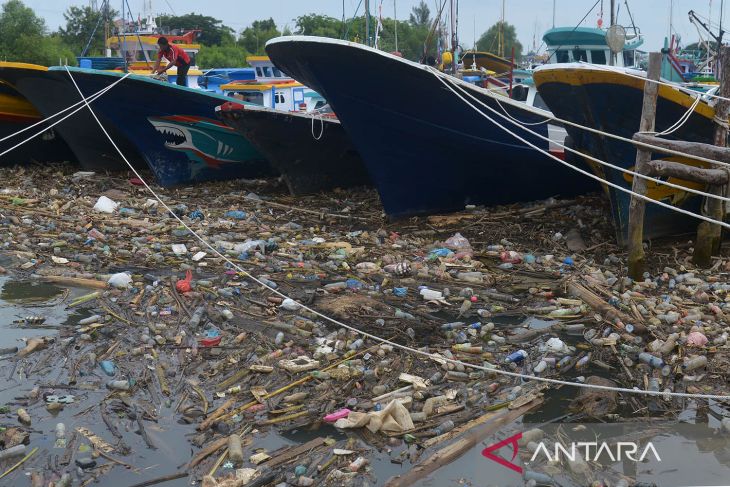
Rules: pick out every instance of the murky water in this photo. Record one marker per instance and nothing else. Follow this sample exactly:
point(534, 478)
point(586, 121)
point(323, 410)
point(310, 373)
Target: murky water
point(21, 301)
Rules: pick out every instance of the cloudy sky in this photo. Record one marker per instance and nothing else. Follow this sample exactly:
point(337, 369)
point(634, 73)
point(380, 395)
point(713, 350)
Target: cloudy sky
point(531, 17)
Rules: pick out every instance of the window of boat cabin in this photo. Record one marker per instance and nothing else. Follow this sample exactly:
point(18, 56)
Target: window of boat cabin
point(277, 73)
point(259, 73)
point(267, 71)
point(562, 56)
point(580, 55)
point(255, 97)
point(629, 58)
point(539, 102)
point(598, 56)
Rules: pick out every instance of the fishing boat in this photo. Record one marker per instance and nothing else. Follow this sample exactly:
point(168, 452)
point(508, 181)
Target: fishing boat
point(425, 149)
point(272, 88)
point(611, 100)
point(49, 92)
point(173, 128)
point(17, 113)
point(310, 150)
point(214, 79)
point(479, 60)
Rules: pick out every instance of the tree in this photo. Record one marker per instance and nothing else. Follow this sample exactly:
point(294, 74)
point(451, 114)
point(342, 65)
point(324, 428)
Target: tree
point(214, 33)
point(420, 15)
point(219, 56)
point(489, 41)
point(23, 37)
point(318, 25)
point(80, 23)
point(253, 38)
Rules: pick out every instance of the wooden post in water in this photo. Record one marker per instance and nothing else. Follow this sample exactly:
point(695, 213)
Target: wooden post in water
point(709, 234)
point(643, 156)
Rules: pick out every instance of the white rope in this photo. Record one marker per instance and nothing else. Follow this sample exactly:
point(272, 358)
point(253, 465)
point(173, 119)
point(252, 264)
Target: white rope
point(519, 121)
point(654, 148)
point(599, 161)
point(406, 348)
point(586, 173)
point(682, 120)
point(46, 119)
point(92, 98)
point(321, 129)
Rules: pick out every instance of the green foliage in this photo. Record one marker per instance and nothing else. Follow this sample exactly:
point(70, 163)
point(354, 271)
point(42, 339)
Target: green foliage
point(229, 55)
point(420, 15)
point(489, 41)
point(253, 38)
point(23, 37)
point(318, 25)
point(214, 32)
point(80, 23)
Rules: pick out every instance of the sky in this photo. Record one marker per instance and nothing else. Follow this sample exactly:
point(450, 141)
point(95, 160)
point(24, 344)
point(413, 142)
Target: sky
point(530, 17)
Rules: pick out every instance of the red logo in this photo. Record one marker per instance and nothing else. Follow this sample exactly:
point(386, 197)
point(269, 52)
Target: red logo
point(512, 440)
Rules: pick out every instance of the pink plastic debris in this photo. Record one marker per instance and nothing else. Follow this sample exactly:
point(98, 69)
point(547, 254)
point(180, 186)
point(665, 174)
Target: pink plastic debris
point(342, 413)
point(696, 339)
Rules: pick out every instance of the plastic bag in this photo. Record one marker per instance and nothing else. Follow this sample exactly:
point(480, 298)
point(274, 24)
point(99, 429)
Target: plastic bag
point(120, 280)
point(457, 242)
point(105, 205)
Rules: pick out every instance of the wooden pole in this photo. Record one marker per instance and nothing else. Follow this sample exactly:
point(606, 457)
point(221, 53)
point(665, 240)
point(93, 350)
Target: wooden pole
point(643, 156)
point(709, 234)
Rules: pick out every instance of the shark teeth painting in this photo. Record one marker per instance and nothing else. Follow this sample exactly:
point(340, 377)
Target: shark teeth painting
point(204, 141)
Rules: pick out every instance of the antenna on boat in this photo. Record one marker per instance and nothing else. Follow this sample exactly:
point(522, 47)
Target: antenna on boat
point(554, 2)
point(367, 22)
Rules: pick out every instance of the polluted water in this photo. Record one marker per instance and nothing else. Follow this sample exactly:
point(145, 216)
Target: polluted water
point(134, 354)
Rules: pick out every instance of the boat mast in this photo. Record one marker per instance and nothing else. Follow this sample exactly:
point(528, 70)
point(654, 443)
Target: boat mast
point(613, 22)
point(367, 22)
point(554, 1)
point(395, 21)
point(500, 43)
point(124, 40)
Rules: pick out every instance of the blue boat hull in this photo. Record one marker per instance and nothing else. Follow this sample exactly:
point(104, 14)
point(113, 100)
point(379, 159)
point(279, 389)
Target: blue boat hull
point(613, 105)
point(426, 150)
point(174, 129)
point(50, 92)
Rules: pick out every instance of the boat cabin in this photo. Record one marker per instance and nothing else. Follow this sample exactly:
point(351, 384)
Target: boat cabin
point(273, 89)
point(588, 44)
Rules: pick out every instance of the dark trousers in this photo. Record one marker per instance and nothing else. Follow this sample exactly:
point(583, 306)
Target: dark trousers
point(182, 74)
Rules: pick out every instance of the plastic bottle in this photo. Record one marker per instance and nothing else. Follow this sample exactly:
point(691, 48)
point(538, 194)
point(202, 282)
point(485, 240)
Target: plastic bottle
point(108, 367)
point(60, 431)
point(119, 385)
point(694, 363)
point(15, 451)
point(516, 357)
point(453, 326)
point(651, 360)
point(444, 427)
point(279, 338)
point(540, 367)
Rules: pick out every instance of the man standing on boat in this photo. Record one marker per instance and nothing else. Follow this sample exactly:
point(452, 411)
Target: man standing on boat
point(175, 56)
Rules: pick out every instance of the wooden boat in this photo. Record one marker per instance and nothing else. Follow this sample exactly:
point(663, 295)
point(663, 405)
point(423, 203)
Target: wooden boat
point(52, 91)
point(173, 128)
point(611, 101)
point(424, 148)
point(310, 150)
point(486, 60)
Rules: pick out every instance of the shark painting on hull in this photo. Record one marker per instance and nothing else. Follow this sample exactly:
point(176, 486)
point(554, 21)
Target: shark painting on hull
point(205, 142)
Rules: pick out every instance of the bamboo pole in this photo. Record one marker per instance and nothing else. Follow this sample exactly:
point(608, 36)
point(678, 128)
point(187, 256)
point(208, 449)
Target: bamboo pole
point(637, 258)
point(709, 234)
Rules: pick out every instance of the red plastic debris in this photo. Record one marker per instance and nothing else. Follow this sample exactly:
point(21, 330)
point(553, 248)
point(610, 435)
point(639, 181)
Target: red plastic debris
point(183, 285)
point(210, 342)
point(136, 182)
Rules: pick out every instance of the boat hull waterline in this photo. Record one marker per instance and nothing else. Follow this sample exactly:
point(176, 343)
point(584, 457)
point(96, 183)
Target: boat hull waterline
point(426, 150)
